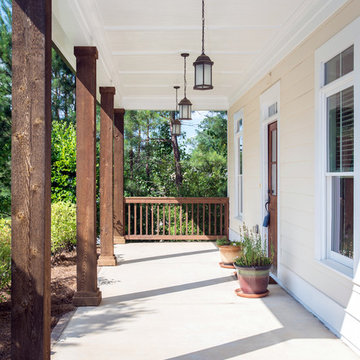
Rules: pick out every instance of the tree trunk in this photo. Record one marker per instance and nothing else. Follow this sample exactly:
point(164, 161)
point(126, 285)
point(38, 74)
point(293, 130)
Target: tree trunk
point(178, 174)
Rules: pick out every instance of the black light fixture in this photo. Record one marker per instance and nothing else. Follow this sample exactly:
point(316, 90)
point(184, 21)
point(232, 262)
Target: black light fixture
point(185, 104)
point(203, 64)
point(176, 124)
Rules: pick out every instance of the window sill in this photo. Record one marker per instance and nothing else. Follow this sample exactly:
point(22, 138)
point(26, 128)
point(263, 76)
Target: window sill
point(339, 268)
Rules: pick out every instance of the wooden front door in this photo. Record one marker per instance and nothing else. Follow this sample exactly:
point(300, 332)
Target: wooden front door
point(272, 192)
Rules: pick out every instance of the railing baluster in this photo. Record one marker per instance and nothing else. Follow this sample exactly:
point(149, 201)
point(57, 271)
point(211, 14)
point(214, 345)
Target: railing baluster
point(157, 219)
point(215, 219)
point(169, 219)
point(180, 219)
point(163, 219)
point(187, 218)
point(204, 218)
point(141, 206)
point(175, 230)
point(135, 211)
point(221, 219)
point(146, 220)
point(192, 219)
point(197, 219)
point(152, 219)
point(129, 221)
point(209, 207)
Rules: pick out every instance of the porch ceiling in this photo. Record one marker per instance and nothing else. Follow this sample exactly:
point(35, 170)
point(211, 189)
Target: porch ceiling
point(140, 42)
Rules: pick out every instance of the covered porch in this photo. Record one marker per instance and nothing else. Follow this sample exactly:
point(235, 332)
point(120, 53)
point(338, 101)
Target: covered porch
point(172, 301)
point(126, 56)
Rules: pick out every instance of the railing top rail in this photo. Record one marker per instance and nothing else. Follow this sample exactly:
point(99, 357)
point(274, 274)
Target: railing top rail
point(176, 200)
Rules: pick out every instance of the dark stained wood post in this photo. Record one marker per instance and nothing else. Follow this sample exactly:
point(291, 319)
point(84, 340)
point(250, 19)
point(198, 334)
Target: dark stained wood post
point(87, 293)
point(119, 213)
point(107, 257)
point(31, 184)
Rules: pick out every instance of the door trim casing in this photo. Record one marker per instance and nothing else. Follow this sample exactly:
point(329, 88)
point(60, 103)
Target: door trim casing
point(267, 98)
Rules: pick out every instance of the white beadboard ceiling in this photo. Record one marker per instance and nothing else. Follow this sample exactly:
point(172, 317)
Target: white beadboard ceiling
point(140, 43)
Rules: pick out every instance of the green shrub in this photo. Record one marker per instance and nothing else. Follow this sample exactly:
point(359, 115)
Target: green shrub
point(5, 253)
point(63, 226)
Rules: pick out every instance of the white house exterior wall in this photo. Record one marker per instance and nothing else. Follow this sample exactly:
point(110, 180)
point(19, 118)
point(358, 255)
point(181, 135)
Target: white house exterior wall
point(331, 295)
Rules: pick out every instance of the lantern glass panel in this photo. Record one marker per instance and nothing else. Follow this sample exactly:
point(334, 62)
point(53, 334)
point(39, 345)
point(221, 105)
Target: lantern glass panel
point(207, 77)
point(188, 111)
point(199, 74)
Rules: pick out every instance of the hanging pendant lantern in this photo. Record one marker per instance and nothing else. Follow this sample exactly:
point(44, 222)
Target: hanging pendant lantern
point(203, 64)
point(176, 123)
point(185, 104)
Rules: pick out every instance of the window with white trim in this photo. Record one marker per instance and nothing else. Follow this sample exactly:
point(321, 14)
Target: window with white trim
point(339, 126)
point(238, 145)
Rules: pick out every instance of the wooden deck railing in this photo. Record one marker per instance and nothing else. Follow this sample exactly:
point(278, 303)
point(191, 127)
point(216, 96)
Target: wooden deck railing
point(176, 218)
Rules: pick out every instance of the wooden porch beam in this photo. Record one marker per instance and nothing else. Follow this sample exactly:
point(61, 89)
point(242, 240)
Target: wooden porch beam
point(107, 257)
point(87, 293)
point(119, 213)
point(31, 179)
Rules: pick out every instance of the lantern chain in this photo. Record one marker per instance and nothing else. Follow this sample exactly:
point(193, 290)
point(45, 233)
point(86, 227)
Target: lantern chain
point(185, 76)
point(203, 26)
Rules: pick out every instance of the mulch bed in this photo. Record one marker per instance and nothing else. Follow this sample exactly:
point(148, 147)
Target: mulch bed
point(63, 286)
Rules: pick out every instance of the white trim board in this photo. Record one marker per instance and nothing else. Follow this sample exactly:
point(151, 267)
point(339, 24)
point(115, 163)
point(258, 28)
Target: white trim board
point(267, 98)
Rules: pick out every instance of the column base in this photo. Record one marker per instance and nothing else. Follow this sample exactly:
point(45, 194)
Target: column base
point(86, 298)
point(107, 260)
point(119, 239)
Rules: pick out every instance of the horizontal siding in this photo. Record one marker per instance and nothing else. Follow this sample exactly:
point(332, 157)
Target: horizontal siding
point(296, 158)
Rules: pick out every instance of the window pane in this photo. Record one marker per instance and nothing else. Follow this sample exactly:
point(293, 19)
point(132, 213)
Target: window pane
point(347, 60)
point(340, 113)
point(339, 65)
point(273, 146)
point(240, 198)
point(240, 154)
point(239, 126)
point(332, 69)
point(342, 206)
point(273, 179)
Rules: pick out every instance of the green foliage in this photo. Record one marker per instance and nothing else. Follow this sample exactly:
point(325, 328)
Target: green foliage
point(149, 157)
point(205, 170)
point(254, 251)
point(63, 226)
point(222, 241)
point(62, 90)
point(5, 106)
point(63, 162)
point(5, 253)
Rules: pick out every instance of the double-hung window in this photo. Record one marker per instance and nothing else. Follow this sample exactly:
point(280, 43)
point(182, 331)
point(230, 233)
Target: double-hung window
point(336, 139)
point(238, 145)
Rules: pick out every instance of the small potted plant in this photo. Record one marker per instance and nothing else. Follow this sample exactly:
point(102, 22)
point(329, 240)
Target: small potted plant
point(253, 266)
point(229, 251)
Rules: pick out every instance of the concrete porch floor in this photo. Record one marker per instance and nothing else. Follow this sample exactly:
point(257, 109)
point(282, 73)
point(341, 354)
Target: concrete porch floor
point(172, 301)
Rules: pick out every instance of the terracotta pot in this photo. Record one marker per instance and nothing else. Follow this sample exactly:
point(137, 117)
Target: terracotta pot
point(228, 253)
point(253, 280)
